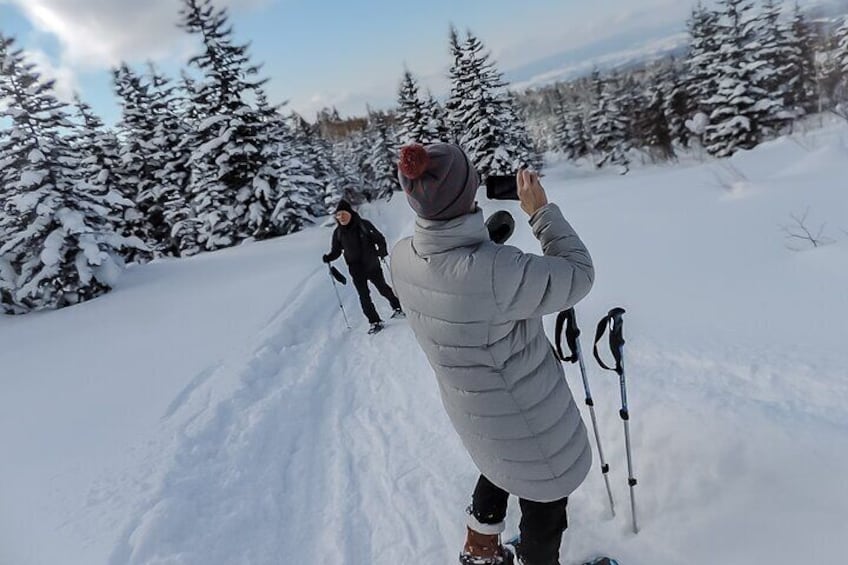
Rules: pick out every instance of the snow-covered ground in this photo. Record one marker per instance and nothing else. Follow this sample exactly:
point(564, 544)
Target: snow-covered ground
point(216, 410)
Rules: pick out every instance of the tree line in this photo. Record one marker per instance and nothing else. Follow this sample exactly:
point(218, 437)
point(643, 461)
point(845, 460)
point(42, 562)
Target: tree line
point(205, 161)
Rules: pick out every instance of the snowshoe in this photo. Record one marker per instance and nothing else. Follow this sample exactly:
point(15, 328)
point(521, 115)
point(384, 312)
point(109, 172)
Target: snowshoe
point(483, 549)
point(398, 314)
point(376, 327)
point(506, 559)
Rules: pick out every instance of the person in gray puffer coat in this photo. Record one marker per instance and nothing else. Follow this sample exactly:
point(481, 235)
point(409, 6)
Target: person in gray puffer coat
point(476, 309)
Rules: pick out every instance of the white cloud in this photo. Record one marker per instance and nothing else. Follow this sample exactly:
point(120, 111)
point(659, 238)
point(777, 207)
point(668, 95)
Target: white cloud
point(66, 82)
point(603, 21)
point(96, 34)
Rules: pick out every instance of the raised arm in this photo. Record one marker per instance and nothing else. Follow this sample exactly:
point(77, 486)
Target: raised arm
point(529, 286)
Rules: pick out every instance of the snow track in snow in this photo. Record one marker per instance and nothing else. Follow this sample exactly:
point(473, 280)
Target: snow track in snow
point(323, 447)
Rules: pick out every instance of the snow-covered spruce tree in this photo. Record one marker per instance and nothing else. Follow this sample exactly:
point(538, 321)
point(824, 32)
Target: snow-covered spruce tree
point(171, 148)
point(652, 127)
point(491, 131)
point(741, 107)
point(678, 105)
point(347, 156)
point(359, 148)
point(630, 96)
point(569, 129)
point(769, 56)
point(228, 150)
point(415, 122)
point(8, 158)
point(136, 176)
point(799, 36)
point(256, 202)
point(558, 123)
point(56, 237)
point(285, 190)
point(829, 75)
point(547, 121)
point(99, 153)
point(314, 157)
point(520, 144)
point(841, 56)
point(557, 127)
point(460, 88)
point(381, 161)
point(291, 170)
point(578, 141)
point(482, 112)
point(608, 127)
point(342, 181)
point(438, 120)
point(702, 74)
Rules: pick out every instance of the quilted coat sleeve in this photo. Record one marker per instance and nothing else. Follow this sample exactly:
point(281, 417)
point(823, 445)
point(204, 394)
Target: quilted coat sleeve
point(529, 286)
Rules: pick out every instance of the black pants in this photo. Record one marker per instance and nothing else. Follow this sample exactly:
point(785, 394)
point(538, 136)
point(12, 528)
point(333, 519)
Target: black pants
point(542, 523)
point(361, 277)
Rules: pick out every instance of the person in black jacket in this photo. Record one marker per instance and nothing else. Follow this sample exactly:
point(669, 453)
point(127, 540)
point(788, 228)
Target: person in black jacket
point(363, 247)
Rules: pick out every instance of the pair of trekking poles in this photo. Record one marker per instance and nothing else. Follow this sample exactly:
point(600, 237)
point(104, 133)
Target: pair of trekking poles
point(501, 226)
point(614, 323)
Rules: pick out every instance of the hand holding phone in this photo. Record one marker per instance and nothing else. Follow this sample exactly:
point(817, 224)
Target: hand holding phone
point(530, 191)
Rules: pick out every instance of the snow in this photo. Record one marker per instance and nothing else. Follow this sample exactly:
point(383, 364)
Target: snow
point(214, 410)
point(35, 156)
point(53, 244)
point(261, 187)
point(211, 121)
point(698, 124)
point(213, 144)
point(32, 178)
point(109, 270)
point(84, 270)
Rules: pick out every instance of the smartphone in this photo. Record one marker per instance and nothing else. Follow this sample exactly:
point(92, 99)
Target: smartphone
point(502, 187)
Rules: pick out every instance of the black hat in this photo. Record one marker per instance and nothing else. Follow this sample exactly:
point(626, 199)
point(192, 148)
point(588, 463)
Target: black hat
point(500, 225)
point(344, 206)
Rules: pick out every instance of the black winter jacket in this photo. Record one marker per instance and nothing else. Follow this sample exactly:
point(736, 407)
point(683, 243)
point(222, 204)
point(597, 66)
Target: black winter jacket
point(362, 244)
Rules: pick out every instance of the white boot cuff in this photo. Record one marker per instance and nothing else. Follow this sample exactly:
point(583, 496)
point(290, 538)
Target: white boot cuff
point(485, 529)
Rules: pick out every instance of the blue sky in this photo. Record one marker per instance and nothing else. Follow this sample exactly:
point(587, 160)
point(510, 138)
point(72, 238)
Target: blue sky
point(329, 52)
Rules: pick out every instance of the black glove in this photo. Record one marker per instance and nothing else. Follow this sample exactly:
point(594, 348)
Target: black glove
point(326, 259)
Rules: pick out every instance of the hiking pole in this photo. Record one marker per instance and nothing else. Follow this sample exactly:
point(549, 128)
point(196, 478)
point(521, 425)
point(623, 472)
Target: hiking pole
point(335, 275)
point(615, 323)
point(572, 337)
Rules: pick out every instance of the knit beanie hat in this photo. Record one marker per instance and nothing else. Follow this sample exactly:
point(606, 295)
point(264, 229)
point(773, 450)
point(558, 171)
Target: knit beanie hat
point(344, 206)
point(438, 180)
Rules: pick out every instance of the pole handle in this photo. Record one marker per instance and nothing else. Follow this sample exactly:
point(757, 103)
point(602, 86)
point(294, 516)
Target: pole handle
point(614, 321)
point(567, 319)
point(337, 275)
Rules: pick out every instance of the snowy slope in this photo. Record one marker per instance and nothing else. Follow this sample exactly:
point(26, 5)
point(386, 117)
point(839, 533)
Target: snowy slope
point(216, 411)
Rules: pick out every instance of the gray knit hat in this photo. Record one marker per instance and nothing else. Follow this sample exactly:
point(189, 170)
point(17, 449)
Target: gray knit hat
point(438, 180)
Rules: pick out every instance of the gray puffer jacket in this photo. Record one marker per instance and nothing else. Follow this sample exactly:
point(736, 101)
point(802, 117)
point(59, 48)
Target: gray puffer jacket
point(476, 309)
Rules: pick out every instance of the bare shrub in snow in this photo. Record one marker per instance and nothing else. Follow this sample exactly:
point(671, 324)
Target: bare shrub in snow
point(801, 237)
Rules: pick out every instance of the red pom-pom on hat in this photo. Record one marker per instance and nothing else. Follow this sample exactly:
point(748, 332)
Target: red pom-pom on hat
point(414, 160)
